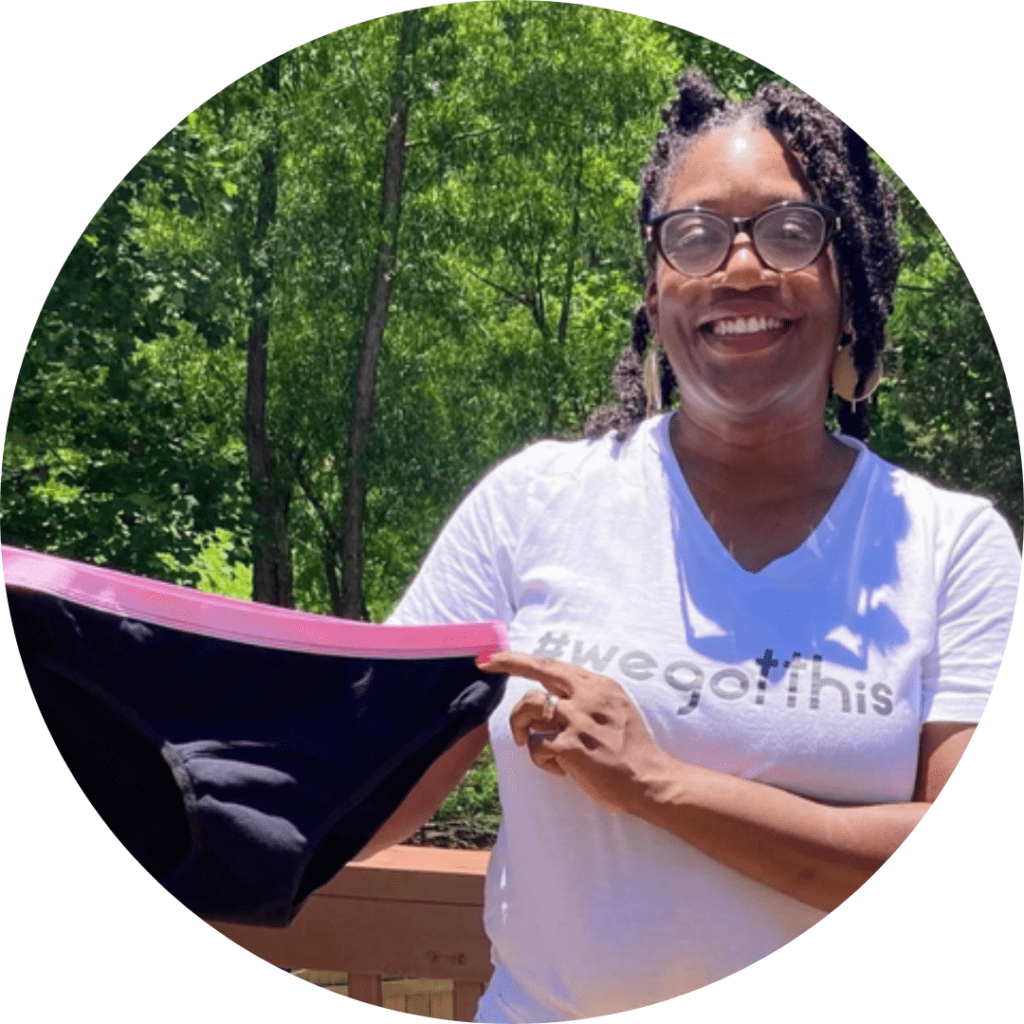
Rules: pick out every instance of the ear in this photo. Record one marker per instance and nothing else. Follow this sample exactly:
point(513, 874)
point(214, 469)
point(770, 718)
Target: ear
point(651, 302)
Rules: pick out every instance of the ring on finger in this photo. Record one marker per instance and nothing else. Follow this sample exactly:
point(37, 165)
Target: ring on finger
point(550, 703)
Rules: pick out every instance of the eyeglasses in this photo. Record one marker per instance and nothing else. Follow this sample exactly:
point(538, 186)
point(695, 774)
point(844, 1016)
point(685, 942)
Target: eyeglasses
point(787, 236)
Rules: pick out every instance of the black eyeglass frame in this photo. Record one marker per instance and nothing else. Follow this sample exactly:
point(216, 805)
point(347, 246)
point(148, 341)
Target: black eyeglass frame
point(652, 230)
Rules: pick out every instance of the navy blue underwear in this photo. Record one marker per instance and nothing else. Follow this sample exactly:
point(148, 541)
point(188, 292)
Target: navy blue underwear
point(242, 753)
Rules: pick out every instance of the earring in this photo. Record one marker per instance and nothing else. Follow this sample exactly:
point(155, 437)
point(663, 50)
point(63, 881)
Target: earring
point(844, 376)
point(652, 377)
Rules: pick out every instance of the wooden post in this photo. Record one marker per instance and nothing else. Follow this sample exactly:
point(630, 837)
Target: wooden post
point(467, 995)
point(367, 988)
point(408, 912)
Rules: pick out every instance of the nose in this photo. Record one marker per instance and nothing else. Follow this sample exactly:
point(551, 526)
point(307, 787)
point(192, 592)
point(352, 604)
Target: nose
point(743, 268)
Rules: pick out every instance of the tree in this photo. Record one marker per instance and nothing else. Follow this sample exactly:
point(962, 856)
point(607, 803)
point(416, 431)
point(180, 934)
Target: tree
point(116, 451)
point(466, 372)
point(519, 267)
point(347, 285)
point(351, 540)
point(268, 478)
point(945, 410)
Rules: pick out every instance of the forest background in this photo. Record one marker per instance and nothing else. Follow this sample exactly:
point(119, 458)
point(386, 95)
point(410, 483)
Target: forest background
point(337, 293)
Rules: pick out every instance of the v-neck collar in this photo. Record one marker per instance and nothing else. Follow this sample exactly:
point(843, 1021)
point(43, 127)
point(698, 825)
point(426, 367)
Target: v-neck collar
point(804, 560)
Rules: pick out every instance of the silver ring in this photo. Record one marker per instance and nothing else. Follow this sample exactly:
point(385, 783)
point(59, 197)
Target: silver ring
point(550, 703)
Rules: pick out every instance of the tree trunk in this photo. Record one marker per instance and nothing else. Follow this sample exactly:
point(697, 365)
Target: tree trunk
point(567, 287)
point(272, 566)
point(352, 604)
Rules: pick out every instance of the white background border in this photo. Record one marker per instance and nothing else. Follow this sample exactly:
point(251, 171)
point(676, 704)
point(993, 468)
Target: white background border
point(88, 89)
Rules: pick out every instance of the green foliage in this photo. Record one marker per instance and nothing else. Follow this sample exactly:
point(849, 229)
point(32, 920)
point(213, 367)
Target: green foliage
point(732, 73)
point(471, 815)
point(518, 271)
point(116, 449)
point(477, 795)
point(221, 570)
point(518, 266)
point(945, 410)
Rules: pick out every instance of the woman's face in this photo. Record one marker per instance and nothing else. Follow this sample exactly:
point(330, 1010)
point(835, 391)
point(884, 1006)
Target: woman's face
point(728, 375)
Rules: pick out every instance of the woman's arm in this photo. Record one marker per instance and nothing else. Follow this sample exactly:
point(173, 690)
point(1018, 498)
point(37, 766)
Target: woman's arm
point(815, 852)
point(427, 795)
point(818, 853)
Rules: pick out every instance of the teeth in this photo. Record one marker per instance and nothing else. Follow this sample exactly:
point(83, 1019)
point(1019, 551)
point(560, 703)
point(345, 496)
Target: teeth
point(745, 325)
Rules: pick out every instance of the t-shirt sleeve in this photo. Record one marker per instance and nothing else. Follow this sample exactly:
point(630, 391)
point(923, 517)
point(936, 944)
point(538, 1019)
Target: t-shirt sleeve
point(975, 610)
point(467, 575)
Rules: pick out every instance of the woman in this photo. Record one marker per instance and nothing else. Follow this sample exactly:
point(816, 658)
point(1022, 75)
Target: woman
point(760, 649)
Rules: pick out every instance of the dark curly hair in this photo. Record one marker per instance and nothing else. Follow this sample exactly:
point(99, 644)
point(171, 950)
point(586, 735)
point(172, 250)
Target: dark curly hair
point(836, 162)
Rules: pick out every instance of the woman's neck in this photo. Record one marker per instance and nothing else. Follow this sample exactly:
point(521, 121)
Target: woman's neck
point(762, 497)
point(764, 459)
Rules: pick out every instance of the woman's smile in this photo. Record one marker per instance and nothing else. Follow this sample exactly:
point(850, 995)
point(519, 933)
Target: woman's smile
point(746, 325)
point(748, 335)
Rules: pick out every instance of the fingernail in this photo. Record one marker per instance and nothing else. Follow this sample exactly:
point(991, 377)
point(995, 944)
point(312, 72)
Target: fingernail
point(483, 659)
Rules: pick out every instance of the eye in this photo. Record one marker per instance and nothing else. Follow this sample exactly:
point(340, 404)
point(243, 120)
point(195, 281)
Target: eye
point(694, 233)
point(790, 237)
point(794, 229)
point(799, 225)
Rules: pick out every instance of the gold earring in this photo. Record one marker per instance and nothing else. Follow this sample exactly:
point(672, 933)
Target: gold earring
point(844, 376)
point(652, 377)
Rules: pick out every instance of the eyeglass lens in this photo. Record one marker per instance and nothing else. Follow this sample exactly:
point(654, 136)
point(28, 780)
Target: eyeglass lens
point(697, 242)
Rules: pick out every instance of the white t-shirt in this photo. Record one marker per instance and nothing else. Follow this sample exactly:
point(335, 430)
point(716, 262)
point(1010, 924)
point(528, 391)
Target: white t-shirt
point(813, 674)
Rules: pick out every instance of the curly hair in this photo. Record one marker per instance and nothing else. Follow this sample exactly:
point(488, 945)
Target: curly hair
point(836, 162)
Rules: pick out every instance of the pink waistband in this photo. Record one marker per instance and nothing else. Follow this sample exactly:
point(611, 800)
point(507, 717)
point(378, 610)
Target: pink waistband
point(262, 625)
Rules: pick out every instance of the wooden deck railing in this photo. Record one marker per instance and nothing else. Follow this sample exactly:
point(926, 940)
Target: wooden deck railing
point(409, 912)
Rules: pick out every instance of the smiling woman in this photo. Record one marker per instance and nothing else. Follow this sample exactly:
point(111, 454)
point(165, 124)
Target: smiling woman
point(734, 375)
point(760, 648)
point(752, 347)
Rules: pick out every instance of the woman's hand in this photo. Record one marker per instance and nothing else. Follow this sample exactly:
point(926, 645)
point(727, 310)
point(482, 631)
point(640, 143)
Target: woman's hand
point(583, 726)
point(815, 852)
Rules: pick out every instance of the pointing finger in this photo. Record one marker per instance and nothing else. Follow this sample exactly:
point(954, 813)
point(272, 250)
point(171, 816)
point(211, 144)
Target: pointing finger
point(554, 675)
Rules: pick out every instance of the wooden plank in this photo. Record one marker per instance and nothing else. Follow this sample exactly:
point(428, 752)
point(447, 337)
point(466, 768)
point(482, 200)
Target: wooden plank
point(442, 1005)
point(418, 1003)
point(322, 977)
point(415, 887)
point(428, 858)
point(415, 873)
point(409, 911)
point(367, 988)
point(466, 995)
point(412, 940)
point(426, 997)
point(413, 986)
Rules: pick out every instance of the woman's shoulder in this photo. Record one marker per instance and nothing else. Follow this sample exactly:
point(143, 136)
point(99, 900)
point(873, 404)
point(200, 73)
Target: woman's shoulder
point(945, 513)
point(572, 460)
